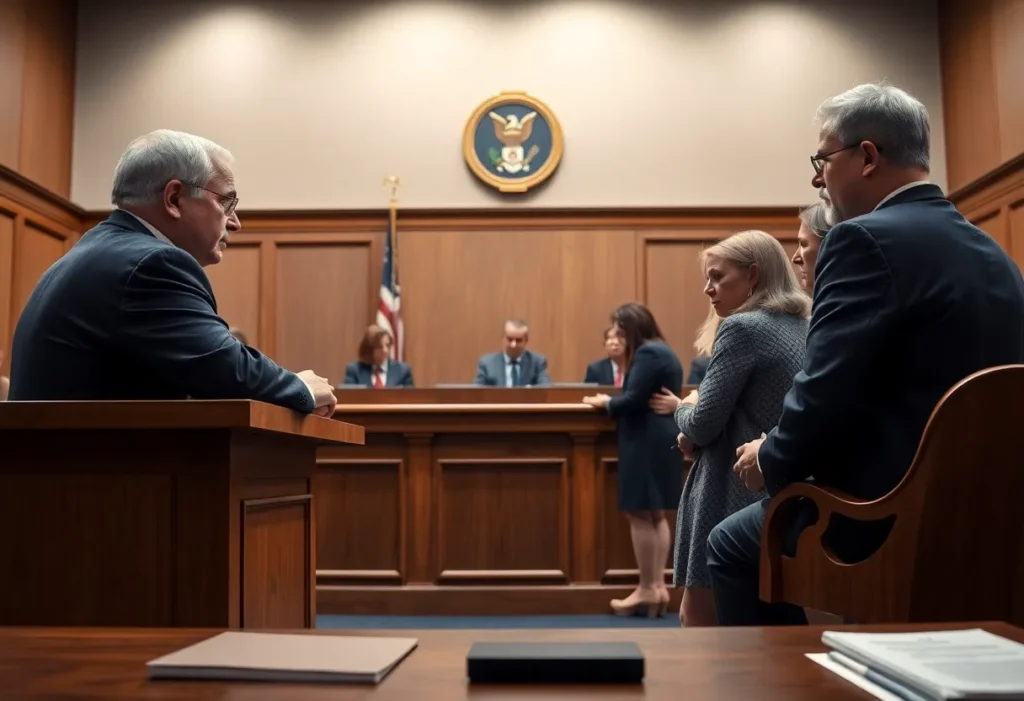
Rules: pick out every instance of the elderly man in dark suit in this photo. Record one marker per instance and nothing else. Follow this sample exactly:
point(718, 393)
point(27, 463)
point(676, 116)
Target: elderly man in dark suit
point(515, 366)
point(129, 313)
point(909, 298)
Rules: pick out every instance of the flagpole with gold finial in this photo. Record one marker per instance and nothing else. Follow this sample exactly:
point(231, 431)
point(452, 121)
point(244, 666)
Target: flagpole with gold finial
point(392, 183)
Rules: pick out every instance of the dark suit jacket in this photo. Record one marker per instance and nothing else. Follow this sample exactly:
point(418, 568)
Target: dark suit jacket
point(124, 315)
point(908, 300)
point(601, 372)
point(646, 438)
point(359, 373)
point(533, 370)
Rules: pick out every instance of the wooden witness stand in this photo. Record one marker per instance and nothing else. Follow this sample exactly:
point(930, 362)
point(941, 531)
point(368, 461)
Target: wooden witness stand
point(159, 513)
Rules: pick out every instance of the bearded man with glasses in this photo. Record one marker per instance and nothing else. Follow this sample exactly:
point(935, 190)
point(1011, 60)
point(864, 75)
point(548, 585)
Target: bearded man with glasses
point(909, 299)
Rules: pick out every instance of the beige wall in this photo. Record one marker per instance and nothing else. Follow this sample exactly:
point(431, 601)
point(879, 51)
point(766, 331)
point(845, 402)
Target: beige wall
point(662, 104)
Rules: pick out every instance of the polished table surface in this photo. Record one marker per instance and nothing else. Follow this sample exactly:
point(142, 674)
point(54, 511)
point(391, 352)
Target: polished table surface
point(747, 664)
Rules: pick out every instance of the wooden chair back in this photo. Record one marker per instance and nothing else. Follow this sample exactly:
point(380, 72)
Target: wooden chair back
point(956, 550)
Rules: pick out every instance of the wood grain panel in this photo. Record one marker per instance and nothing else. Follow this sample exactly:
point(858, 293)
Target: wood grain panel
point(502, 519)
point(1015, 226)
point(7, 221)
point(275, 562)
point(360, 520)
point(322, 305)
point(458, 288)
point(128, 517)
point(674, 290)
point(236, 285)
point(49, 94)
point(968, 90)
point(993, 223)
point(598, 274)
point(982, 58)
point(12, 63)
point(35, 250)
point(1008, 49)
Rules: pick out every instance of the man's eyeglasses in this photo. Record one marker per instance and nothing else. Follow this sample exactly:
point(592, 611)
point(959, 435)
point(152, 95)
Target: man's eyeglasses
point(227, 202)
point(818, 159)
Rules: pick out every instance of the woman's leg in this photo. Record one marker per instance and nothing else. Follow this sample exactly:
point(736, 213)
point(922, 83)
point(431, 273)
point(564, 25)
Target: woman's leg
point(698, 608)
point(646, 547)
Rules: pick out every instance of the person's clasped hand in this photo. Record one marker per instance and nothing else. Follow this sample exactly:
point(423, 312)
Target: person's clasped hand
point(746, 465)
point(324, 401)
point(598, 401)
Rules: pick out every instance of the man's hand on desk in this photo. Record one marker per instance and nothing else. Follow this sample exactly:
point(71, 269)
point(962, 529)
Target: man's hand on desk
point(324, 401)
point(746, 464)
point(598, 401)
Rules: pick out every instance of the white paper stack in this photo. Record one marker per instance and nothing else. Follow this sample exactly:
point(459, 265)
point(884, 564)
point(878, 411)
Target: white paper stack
point(928, 666)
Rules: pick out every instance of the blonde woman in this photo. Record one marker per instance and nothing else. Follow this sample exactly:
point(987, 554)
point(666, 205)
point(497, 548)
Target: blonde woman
point(754, 335)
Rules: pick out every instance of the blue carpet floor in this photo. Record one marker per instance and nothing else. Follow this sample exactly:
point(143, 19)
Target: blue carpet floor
point(670, 620)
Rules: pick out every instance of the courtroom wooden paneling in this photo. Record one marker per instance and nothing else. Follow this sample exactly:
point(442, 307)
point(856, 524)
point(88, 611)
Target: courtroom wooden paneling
point(36, 229)
point(12, 61)
point(982, 58)
point(995, 203)
point(464, 507)
point(159, 513)
point(315, 277)
point(37, 87)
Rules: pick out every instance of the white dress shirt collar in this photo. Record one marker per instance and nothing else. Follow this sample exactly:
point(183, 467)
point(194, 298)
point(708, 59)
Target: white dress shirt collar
point(152, 229)
point(902, 188)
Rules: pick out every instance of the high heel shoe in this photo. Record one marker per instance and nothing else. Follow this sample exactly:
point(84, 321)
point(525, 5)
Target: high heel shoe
point(633, 605)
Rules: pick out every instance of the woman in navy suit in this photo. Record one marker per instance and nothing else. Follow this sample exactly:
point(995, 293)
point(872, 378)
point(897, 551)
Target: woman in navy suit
point(374, 367)
point(650, 471)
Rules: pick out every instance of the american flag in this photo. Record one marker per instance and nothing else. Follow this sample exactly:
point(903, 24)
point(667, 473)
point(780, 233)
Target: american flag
point(389, 308)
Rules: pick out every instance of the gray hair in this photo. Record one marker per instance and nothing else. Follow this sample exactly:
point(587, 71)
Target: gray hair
point(893, 120)
point(818, 217)
point(153, 160)
point(517, 324)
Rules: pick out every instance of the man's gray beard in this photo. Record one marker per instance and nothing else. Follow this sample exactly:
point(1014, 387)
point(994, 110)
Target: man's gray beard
point(832, 213)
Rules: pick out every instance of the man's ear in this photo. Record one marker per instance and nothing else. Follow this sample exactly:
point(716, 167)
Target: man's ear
point(173, 193)
point(871, 157)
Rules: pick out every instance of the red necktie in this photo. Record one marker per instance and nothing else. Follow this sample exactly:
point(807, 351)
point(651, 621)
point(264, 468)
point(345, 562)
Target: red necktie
point(378, 382)
point(618, 377)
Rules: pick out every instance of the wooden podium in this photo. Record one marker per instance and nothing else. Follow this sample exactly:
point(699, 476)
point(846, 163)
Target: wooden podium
point(159, 513)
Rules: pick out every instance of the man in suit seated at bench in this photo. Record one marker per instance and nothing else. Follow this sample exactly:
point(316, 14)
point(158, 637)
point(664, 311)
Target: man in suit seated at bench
point(129, 313)
point(909, 299)
point(515, 366)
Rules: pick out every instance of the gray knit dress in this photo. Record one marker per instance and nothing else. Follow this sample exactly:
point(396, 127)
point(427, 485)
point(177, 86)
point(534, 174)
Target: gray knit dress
point(752, 366)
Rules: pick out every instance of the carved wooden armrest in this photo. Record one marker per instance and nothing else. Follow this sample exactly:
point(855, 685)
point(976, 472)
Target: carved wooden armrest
point(829, 501)
point(832, 501)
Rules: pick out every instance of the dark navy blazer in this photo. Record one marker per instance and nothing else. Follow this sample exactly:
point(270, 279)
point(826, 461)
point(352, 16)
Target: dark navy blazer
point(124, 315)
point(359, 373)
point(601, 372)
point(908, 300)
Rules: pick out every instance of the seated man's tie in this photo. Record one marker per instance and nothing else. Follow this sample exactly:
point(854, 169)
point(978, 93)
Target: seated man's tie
point(515, 372)
point(378, 378)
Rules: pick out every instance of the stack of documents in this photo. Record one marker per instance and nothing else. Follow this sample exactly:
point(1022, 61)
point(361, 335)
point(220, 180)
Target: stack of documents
point(928, 666)
point(243, 656)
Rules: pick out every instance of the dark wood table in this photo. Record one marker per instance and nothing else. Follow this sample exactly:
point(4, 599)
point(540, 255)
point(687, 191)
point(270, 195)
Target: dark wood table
point(747, 664)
